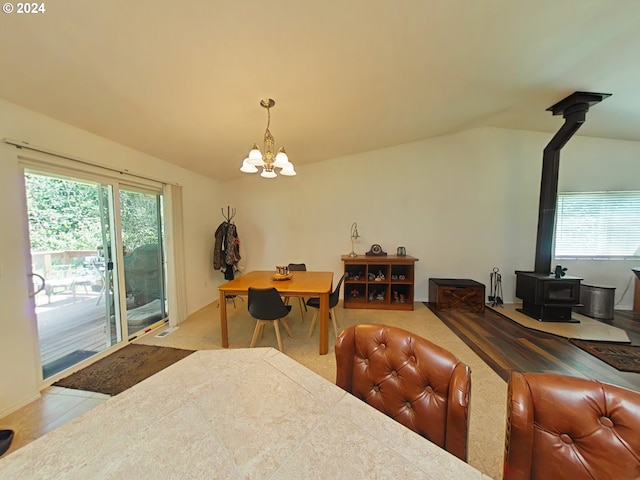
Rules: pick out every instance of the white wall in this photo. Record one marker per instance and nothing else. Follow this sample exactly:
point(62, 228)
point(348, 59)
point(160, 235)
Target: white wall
point(18, 337)
point(462, 203)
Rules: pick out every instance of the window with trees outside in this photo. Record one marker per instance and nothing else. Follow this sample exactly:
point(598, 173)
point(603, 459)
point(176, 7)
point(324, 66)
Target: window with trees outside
point(97, 259)
point(598, 224)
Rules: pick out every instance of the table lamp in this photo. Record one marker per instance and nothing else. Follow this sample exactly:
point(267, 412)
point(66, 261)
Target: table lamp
point(354, 236)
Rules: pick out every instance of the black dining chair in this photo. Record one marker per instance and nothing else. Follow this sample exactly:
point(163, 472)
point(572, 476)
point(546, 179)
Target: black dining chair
point(232, 299)
point(333, 301)
point(298, 267)
point(266, 306)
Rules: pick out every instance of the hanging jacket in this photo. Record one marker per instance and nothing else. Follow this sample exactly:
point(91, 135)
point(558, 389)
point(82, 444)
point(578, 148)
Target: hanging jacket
point(226, 250)
point(218, 245)
point(232, 245)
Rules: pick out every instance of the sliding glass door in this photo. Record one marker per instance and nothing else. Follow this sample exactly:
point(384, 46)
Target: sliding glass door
point(141, 220)
point(97, 264)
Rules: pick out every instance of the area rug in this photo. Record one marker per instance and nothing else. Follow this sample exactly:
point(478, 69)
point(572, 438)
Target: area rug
point(621, 356)
point(123, 369)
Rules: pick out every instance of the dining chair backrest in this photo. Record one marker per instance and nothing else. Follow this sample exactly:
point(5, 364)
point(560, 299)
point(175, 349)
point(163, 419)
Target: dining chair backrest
point(560, 426)
point(266, 304)
point(335, 295)
point(414, 381)
point(297, 267)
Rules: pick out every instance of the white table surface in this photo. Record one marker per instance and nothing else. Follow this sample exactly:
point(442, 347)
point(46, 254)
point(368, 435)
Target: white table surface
point(241, 413)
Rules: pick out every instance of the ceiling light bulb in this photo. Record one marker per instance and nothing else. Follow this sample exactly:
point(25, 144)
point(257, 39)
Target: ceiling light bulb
point(281, 158)
point(268, 174)
point(288, 170)
point(255, 153)
point(247, 167)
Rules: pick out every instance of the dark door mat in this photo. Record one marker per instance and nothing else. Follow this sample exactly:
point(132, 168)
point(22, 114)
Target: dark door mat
point(123, 369)
point(622, 356)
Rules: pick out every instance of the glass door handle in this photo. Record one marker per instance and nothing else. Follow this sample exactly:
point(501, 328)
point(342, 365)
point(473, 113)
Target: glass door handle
point(42, 286)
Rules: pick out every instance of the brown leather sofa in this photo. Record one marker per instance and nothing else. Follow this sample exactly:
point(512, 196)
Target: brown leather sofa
point(561, 427)
point(412, 380)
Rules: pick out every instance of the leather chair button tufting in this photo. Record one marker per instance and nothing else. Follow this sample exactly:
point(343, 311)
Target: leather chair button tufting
point(401, 367)
point(566, 438)
point(606, 421)
point(560, 426)
point(366, 361)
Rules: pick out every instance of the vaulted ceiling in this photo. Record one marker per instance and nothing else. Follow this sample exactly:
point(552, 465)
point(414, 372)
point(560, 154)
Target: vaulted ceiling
point(183, 80)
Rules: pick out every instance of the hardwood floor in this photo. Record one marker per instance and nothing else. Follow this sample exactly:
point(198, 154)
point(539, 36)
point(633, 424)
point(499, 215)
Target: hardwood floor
point(506, 346)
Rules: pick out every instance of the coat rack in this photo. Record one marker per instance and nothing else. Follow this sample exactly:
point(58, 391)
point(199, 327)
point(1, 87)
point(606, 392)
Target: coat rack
point(231, 212)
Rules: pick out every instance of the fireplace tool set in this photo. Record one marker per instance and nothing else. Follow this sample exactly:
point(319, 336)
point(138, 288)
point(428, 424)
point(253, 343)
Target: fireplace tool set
point(496, 288)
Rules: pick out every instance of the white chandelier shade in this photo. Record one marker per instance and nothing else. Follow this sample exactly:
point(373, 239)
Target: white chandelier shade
point(267, 160)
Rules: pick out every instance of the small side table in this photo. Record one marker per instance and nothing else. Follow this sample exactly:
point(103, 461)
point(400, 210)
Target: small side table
point(452, 293)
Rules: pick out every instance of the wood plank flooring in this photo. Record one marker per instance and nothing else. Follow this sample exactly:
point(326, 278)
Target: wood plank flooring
point(507, 346)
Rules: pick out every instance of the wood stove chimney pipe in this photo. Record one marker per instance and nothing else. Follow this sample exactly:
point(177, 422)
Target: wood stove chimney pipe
point(574, 108)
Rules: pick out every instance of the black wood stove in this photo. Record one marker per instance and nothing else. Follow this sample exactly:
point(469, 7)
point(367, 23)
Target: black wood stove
point(545, 296)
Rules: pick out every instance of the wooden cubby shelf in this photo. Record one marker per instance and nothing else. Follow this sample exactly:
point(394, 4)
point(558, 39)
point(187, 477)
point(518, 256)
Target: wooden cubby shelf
point(382, 282)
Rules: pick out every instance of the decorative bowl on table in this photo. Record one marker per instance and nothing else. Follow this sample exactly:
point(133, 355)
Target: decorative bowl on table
point(281, 276)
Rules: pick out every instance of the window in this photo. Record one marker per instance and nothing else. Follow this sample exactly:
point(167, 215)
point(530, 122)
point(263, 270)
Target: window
point(598, 224)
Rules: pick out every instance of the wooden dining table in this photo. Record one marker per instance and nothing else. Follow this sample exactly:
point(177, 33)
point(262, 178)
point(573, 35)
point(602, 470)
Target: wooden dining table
point(300, 284)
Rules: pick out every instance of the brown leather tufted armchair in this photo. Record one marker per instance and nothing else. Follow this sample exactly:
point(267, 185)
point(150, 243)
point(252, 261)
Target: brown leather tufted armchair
point(563, 427)
point(412, 380)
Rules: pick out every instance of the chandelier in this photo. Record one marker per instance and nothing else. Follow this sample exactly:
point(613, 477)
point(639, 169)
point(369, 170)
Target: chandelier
point(267, 160)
